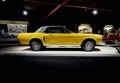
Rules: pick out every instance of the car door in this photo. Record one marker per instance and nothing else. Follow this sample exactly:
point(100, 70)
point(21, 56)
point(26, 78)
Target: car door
point(57, 36)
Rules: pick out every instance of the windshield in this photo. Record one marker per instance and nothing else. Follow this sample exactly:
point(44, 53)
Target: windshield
point(41, 29)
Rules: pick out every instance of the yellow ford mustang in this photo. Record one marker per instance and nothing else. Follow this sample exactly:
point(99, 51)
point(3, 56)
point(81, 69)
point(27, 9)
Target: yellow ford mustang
point(58, 36)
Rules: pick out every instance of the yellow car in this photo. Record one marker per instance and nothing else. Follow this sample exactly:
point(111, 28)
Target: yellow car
point(58, 36)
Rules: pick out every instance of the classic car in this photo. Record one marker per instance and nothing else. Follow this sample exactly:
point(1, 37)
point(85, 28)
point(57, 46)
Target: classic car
point(58, 36)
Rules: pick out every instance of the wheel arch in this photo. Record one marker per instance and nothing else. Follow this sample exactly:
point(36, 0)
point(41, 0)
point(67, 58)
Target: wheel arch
point(36, 39)
point(88, 39)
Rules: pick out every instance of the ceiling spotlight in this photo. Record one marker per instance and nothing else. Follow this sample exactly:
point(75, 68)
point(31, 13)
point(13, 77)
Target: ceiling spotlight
point(25, 13)
point(94, 12)
point(3, 0)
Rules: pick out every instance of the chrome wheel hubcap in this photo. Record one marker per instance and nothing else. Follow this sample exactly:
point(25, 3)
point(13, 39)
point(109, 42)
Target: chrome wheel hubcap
point(36, 45)
point(89, 45)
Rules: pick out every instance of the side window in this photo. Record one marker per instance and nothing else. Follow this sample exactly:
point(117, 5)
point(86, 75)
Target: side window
point(67, 30)
point(46, 31)
point(55, 30)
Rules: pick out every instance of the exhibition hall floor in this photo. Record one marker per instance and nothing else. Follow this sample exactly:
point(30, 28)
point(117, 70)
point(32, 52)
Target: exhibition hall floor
point(58, 61)
point(25, 50)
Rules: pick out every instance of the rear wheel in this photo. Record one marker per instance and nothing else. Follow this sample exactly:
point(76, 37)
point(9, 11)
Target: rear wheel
point(88, 45)
point(36, 45)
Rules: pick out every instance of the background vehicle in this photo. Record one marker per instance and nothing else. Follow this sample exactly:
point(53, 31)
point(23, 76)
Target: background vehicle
point(59, 36)
point(111, 35)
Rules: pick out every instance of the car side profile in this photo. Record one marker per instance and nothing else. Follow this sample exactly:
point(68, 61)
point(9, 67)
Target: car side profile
point(58, 36)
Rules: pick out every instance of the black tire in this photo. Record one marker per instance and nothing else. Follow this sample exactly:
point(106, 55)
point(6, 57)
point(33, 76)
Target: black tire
point(88, 45)
point(36, 46)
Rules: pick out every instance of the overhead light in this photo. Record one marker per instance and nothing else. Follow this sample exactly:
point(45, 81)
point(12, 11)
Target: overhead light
point(25, 13)
point(3, 0)
point(94, 12)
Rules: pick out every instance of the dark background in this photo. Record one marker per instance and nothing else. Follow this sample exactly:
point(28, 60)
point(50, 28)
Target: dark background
point(57, 68)
point(38, 10)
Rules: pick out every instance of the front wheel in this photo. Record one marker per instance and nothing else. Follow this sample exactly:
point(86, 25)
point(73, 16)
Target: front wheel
point(36, 46)
point(88, 45)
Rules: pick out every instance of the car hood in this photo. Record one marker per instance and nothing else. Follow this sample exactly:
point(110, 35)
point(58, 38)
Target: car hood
point(29, 35)
point(32, 33)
